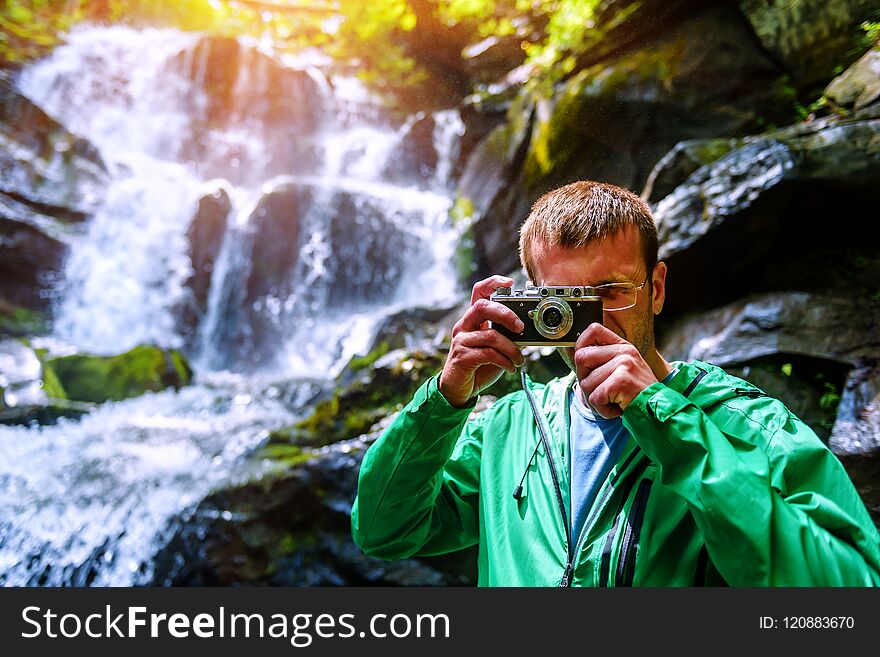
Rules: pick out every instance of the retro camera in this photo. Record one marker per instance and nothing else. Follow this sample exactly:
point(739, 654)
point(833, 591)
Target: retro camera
point(554, 315)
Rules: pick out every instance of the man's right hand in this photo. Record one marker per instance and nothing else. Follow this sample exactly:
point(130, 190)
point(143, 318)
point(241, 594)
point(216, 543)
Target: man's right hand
point(479, 355)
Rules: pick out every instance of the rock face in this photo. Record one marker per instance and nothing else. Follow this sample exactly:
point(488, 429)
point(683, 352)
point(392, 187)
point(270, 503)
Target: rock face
point(293, 528)
point(43, 165)
point(798, 323)
point(50, 180)
point(235, 85)
point(856, 434)
point(204, 239)
point(763, 209)
point(857, 430)
point(809, 38)
point(859, 85)
point(614, 119)
point(360, 248)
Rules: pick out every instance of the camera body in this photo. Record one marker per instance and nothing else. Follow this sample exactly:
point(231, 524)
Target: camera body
point(554, 315)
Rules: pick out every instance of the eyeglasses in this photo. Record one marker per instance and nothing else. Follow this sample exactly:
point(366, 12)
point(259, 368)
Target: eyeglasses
point(618, 296)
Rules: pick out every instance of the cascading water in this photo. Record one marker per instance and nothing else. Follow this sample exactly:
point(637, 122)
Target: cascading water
point(328, 229)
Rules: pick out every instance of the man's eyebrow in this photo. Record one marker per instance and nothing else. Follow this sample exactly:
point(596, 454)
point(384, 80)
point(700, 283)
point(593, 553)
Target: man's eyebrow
point(607, 281)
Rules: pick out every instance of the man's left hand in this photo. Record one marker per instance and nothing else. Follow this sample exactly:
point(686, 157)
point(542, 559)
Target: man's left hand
point(611, 372)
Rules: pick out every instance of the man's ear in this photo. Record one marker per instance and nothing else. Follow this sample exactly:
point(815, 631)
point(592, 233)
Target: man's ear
point(658, 287)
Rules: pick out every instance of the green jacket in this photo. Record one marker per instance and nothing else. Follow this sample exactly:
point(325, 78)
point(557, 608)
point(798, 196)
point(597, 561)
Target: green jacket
point(719, 485)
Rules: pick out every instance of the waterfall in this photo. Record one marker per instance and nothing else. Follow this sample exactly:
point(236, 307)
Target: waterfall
point(303, 198)
point(171, 112)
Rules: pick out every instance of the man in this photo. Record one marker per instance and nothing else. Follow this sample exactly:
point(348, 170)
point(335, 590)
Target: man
point(648, 473)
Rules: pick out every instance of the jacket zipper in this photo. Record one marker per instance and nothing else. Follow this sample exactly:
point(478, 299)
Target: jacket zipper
point(569, 568)
point(605, 569)
point(626, 565)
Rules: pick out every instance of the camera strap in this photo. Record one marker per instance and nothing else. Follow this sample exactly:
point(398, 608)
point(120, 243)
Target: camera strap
point(544, 431)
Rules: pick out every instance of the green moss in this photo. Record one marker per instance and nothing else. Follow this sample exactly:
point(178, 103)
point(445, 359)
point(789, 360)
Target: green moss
point(51, 385)
point(578, 114)
point(462, 211)
point(354, 408)
point(464, 258)
point(711, 150)
point(98, 379)
point(362, 362)
point(288, 455)
point(15, 320)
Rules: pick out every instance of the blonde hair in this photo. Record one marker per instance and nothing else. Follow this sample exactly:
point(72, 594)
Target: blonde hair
point(584, 212)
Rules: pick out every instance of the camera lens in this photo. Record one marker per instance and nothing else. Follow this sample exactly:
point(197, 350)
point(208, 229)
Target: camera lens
point(552, 318)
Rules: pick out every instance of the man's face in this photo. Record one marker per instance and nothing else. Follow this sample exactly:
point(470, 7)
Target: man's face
point(617, 259)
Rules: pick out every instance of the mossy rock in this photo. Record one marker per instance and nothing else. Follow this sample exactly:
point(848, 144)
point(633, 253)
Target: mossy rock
point(387, 387)
point(381, 389)
point(18, 321)
point(85, 377)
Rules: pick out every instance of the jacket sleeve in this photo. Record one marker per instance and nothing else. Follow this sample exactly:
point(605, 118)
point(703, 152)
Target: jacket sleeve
point(778, 511)
point(419, 482)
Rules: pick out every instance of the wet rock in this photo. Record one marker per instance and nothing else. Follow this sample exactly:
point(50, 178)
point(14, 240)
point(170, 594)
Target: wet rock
point(612, 121)
point(49, 179)
point(28, 393)
point(855, 438)
point(415, 157)
point(748, 222)
point(90, 378)
point(377, 387)
point(489, 185)
point(18, 322)
point(678, 164)
point(836, 329)
point(44, 166)
point(237, 86)
point(292, 527)
point(33, 248)
point(205, 240)
point(810, 38)
point(859, 85)
point(370, 249)
point(857, 429)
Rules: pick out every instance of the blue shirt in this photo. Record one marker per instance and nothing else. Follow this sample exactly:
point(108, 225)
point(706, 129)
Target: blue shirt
point(595, 445)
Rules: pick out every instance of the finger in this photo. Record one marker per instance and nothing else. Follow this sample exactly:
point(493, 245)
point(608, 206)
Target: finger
point(483, 289)
point(597, 334)
point(483, 310)
point(603, 399)
point(492, 338)
point(592, 379)
point(474, 357)
point(592, 357)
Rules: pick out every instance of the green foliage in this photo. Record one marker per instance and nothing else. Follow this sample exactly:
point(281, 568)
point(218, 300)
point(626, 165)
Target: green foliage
point(374, 38)
point(30, 28)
